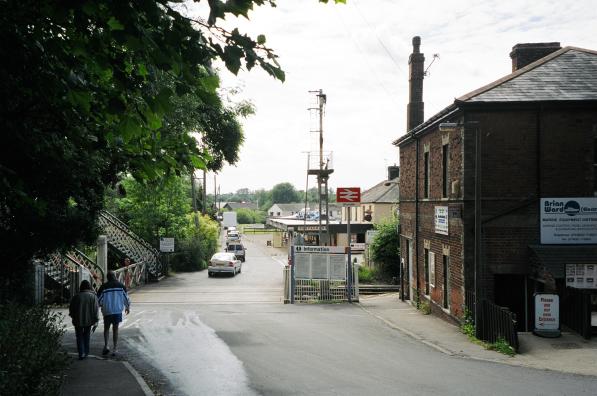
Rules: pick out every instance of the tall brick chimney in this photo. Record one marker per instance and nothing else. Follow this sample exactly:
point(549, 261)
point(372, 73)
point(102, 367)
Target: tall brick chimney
point(415, 112)
point(524, 54)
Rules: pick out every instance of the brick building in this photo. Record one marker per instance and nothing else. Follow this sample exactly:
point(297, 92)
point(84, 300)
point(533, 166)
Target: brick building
point(529, 135)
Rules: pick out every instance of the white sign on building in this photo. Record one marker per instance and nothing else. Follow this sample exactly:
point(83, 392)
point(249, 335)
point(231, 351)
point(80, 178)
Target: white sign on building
point(568, 220)
point(441, 220)
point(581, 276)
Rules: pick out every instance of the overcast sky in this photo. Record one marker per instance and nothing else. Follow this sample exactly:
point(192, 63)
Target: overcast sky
point(358, 55)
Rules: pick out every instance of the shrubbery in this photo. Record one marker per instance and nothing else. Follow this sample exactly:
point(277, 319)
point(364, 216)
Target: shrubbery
point(31, 359)
point(385, 250)
point(196, 246)
point(248, 216)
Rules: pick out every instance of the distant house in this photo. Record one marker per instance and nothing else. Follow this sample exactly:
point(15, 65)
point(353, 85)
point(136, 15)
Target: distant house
point(379, 203)
point(285, 210)
point(240, 205)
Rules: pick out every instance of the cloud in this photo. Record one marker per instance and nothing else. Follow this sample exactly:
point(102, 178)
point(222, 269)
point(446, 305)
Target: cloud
point(358, 55)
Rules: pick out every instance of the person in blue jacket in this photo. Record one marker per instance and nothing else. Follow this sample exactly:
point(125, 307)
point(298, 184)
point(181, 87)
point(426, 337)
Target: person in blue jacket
point(113, 298)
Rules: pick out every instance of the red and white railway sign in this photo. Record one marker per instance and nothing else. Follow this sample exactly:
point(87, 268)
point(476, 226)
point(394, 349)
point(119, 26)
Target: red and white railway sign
point(348, 194)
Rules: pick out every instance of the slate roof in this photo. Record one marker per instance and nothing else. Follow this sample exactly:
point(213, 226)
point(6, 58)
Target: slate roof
point(291, 207)
point(380, 193)
point(569, 74)
point(241, 205)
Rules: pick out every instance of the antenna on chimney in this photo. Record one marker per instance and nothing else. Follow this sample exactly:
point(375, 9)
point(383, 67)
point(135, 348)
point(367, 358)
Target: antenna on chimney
point(435, 56)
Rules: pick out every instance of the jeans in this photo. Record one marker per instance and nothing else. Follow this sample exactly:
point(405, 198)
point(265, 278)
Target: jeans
point(83, 335)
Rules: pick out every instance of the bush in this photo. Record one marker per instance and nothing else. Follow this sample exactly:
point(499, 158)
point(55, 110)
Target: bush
point(31, 359)
point(385, 250)
point(197, 245)
point(366, 274)
point(248, 216)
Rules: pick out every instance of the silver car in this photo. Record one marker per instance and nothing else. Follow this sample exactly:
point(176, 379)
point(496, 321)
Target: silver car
point(224, 262)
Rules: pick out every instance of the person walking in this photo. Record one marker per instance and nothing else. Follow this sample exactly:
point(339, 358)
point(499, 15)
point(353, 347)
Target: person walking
point(113, 298)
point(83, 309)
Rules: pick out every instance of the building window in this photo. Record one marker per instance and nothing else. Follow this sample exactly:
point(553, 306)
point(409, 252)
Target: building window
point(445, 170)
point(431, 269)
point(427, 272)
point(446, 283)
point(426, 178)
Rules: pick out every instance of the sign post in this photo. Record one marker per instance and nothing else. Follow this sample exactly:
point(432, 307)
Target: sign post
point(547, 315)
point(349, 196)
point(167, 246)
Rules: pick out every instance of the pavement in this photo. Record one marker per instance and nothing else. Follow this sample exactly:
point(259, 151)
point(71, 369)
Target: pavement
point(569, 353)
point(96, 376)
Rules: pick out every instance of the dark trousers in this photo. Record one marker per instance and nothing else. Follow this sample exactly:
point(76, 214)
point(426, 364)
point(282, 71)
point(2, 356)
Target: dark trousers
point(83, 335)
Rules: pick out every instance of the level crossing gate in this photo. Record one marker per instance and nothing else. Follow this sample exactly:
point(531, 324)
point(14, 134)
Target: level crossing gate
point(320, 274)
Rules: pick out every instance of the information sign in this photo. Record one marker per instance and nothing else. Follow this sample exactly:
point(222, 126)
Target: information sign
point(441, 220)
point(581, 276)
point(547, 315)
point(568, 220)
point(167, 245)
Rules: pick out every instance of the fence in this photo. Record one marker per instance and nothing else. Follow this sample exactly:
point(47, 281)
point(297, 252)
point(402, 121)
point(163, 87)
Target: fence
point(132, 276)
point(497, 323)
point(469, 303)
point(312, 290)
point(576, 310)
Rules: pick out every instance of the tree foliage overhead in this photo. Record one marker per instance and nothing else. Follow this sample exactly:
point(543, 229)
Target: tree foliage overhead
point(92, 89)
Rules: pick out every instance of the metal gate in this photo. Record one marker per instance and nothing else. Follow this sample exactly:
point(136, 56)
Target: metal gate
point(320, 281)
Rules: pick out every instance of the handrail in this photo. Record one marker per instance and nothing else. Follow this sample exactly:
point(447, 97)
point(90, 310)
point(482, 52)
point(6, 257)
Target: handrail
point(123, 227)
point(90, 261)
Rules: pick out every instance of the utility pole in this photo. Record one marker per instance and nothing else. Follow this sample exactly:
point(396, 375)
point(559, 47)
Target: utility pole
point(194, 194)
point(204, 211)
point(323, 169)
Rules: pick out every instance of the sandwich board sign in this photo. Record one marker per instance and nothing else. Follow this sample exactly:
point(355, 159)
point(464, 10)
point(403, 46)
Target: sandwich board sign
point(547, 315)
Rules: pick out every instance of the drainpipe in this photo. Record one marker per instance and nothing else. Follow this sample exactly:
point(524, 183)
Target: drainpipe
point(416, 249)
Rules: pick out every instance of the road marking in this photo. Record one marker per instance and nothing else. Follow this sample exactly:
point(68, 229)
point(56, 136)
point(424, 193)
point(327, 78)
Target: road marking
point(282, 263)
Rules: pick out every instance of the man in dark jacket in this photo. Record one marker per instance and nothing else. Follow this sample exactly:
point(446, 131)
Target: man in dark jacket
point(113, 298)
point(83, 309)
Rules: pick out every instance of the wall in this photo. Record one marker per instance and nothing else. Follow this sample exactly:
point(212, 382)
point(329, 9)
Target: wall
point(451, 244)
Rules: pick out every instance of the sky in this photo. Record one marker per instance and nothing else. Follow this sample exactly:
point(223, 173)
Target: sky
point(357, 54)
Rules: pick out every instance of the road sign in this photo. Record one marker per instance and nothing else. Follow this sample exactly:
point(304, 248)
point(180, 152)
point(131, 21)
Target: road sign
point(348, 194)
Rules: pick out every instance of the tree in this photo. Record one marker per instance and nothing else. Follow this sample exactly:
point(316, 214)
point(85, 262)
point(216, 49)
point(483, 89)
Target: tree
point(385, 248)
point(91, 90)
point(285, 193)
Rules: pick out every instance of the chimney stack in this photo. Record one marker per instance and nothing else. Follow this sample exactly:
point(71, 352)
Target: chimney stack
point(393, 172)
point(527, 53)
point(415, 108)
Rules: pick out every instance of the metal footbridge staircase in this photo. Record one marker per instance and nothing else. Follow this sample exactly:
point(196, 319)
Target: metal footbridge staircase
point(60, 267)
point(129, 244)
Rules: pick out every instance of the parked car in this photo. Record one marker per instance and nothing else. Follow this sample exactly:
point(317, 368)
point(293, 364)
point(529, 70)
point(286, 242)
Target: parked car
point(238, 249)
point(224, 262)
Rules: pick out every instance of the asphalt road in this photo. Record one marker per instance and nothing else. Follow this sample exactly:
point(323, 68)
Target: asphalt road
point(194, 335)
